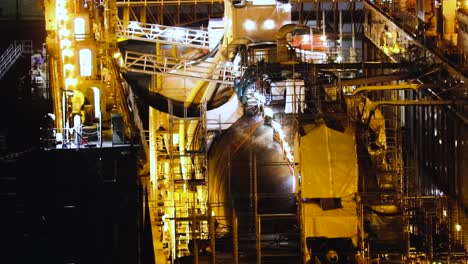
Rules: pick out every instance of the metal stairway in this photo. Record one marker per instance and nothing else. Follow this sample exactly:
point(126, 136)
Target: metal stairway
point(13, 52)
point(380, 22)
point(181, 36)
point(220, 72)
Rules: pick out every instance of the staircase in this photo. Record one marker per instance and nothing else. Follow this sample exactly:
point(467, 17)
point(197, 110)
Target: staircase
point(12, 53)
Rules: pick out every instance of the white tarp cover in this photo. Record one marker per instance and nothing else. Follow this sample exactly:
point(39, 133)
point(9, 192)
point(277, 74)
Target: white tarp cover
point(330, 223)
point(328, 163)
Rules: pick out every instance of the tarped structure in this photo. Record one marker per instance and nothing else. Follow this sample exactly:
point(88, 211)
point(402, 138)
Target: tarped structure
point(330, 223)
point(328, 162)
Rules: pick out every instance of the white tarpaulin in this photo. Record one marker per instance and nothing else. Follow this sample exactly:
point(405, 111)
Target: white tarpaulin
point(328, 164)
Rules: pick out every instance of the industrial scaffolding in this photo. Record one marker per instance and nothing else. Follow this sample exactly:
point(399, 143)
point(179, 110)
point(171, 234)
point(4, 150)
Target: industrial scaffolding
point(181, 167)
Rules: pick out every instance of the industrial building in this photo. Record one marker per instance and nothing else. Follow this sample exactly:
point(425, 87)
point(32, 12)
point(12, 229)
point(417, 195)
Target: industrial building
point(234, 131)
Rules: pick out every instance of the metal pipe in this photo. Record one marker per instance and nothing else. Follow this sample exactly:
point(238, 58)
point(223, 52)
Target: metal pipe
point(413, 87)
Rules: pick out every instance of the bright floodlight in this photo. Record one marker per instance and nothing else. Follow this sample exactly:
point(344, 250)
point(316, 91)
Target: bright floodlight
point(339, 58)
point(287, 7)
point(269, 24)
point(249, 25)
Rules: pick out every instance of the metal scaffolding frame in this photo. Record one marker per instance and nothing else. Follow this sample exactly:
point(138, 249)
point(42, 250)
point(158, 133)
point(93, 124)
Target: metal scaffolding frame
point(182, 181)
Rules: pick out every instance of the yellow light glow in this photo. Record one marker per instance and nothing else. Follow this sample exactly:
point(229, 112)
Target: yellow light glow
point(117, 55)
point(67, 53)
point(70, 82)
point(64, 32)
point(61, 2)
point(69, 67)
point(65, 43)
point(62, 17)
point(458, 227)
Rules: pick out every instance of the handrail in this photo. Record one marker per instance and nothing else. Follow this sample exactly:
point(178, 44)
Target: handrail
point(122, 3)
point(9, 57)
point(163, 34)
point(221, 72)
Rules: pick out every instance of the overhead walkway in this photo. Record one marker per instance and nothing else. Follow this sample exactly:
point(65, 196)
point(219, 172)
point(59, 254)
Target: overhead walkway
point(166, 2)
point(12, 53)
point(122, 3)
point(221, 72)
point(180, 36)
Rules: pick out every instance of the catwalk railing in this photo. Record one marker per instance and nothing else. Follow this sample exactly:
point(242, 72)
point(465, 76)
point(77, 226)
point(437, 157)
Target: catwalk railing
point(187, 37)
point(221, 72)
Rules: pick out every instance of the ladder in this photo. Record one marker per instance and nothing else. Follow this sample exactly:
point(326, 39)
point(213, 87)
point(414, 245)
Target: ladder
point(221, 72)
point(12, 53)
point(181, 36)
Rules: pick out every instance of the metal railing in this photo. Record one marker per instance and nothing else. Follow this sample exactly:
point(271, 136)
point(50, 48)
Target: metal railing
point(12, 53)
point(221, 72)
point(163, 34)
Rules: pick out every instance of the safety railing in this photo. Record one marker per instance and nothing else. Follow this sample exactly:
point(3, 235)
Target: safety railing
point(219, 72)
point(73, 137)
point(12, 53)
point(166, 2)
point(163, 34)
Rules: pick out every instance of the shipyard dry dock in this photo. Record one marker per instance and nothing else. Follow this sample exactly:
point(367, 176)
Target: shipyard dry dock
point(233, 131)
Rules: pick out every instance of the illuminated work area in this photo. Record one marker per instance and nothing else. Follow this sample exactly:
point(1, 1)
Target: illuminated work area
point(235, 131)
